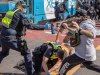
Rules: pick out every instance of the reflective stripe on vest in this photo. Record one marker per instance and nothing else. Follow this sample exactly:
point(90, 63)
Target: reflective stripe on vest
point(8, 18)
point(54, 56)
point(55, 45)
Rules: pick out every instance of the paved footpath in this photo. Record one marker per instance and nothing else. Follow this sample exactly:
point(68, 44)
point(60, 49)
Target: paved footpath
point(35, 38)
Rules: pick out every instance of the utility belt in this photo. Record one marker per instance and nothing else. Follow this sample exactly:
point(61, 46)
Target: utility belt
point(8, 37)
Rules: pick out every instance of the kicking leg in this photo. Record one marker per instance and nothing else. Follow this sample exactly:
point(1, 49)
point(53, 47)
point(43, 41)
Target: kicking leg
point(90, 65)
point(69, 63)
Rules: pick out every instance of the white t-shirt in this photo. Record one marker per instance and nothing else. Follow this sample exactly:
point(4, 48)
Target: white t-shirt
point(86, 49)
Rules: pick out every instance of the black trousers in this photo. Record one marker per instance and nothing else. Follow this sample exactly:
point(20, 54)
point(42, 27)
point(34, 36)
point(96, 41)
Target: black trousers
point(73, 60)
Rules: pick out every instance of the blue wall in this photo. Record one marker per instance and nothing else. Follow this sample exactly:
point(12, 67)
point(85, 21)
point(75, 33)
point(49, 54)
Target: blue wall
point(39, 13)
point(5, 7)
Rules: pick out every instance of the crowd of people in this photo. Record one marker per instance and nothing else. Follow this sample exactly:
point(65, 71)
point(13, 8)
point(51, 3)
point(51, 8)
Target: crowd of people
point(51, 56)
point(93, 8)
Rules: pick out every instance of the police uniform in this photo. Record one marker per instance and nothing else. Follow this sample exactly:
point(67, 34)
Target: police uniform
point(12, 27)
point(48, 50)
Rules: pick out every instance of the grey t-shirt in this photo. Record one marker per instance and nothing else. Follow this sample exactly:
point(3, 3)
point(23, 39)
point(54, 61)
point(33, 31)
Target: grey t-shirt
point(86, 49)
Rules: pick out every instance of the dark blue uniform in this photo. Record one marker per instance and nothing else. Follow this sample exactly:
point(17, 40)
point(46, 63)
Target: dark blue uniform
point(11, 39)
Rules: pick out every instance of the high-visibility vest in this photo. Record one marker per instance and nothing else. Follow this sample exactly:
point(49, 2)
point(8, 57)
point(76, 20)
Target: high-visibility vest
point(55, 47)
point(8, 18)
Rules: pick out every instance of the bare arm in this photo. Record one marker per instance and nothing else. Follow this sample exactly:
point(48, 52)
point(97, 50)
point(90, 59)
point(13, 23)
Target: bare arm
point(82, 31)
point(44, 64)
point(87, 33)
point(58, 34)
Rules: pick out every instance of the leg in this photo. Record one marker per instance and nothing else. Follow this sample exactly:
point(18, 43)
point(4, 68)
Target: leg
point(28, 62)
point(25, 52)
point(4, 52)
point(69, 63)
point(37, 61)
point(27, 57)
point(90, 65)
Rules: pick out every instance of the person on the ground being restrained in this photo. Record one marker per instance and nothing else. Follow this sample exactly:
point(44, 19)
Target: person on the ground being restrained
point(85, 52)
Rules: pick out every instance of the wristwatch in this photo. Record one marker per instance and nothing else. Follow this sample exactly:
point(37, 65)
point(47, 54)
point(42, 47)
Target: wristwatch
point(79, 31)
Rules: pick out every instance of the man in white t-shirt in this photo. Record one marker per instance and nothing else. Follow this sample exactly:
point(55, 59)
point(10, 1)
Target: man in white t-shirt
point(85, 52)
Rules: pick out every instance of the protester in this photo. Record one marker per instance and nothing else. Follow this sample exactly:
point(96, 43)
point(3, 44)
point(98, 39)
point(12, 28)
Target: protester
point(85, 52)
point(63, 9)
point(57, 10)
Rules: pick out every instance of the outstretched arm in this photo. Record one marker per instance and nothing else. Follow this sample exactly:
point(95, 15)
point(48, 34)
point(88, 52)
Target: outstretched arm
point(58, 34)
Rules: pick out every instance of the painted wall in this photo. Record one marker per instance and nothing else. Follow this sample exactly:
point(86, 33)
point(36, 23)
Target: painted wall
point(39, 10)
point(44, 9)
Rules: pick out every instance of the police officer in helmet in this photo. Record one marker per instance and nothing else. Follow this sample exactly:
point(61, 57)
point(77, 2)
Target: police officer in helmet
point(12, 27)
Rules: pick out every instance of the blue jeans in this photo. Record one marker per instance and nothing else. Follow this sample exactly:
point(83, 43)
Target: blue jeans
point(10, 42)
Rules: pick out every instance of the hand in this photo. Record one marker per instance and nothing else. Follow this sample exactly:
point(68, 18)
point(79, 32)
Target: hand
point(75, 24)
point(57, 41)
point(64, 25)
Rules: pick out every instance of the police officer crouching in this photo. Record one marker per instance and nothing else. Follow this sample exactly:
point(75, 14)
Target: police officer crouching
point(12, 27)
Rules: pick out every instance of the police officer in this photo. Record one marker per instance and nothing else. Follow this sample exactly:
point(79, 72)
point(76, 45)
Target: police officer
point(12, 26)
point(46, 56)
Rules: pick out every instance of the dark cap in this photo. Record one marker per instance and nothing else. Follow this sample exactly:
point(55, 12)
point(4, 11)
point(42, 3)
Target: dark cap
point(81, 12)
point(20, 2)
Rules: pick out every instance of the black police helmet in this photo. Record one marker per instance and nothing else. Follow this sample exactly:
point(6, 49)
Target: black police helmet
point(20, 2)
